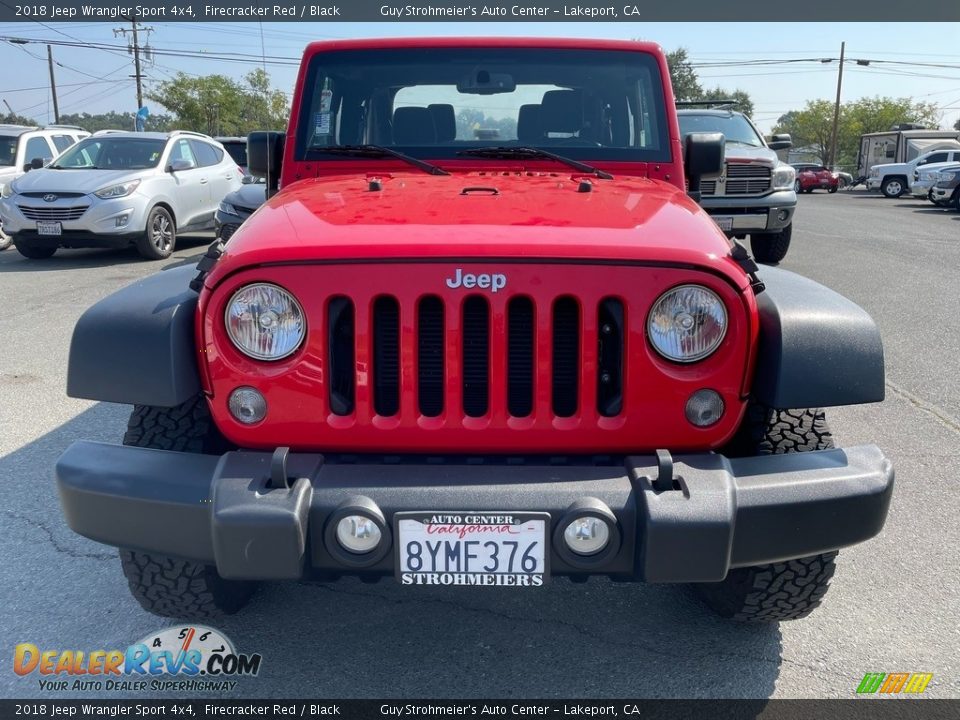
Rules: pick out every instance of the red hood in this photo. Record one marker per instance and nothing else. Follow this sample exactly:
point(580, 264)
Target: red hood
point(532, 215)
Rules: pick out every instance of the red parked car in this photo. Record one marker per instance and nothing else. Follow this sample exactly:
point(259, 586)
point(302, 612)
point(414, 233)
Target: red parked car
point(815, 177)
point(478, 361)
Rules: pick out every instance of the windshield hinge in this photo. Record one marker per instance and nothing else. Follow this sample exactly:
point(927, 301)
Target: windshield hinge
point(206, 263)
point(748, 265)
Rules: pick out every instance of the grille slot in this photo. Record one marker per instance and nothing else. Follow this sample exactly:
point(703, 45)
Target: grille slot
point(430, 350)
point(566, 356)
point(747, 179)
point(50, 214)
point(610, 354)
point(476, 356)
point(340, 349)
point(386, 356)
point(520, 342)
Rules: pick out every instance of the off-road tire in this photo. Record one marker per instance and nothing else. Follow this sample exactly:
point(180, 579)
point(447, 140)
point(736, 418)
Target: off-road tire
point(166, 586)
point(160, 236)
point(771, 248)
point(787, 590)
point(894, 187)
point(34, 252)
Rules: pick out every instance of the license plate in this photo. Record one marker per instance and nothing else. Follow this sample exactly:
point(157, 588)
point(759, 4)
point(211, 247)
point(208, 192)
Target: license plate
point(472, 548)
point(724, 223)
point(49, 228)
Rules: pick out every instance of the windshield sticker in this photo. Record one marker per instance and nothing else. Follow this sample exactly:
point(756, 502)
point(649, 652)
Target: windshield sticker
point(323, 124)
point(326, 99)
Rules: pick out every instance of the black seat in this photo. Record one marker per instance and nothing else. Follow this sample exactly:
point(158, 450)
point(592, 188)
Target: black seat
point(530, 124)
point(562, 111)
point(413, 126)
point(444, 122)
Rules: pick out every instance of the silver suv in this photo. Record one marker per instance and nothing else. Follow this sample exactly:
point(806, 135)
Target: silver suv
point(118, 188)
point(24, 147)
point(754, 195)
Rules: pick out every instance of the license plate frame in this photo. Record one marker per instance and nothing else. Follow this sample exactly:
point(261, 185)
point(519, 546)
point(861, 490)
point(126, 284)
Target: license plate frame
point(478, 575)
point(724, 222)
point(49, 228)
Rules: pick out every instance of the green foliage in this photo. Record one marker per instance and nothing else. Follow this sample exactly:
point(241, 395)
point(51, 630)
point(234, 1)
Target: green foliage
point(813, 125)
point(116, 121)
point(686, 84)
point(14, 119)
point(470, 120)
point(217, 105)
point(956, 125)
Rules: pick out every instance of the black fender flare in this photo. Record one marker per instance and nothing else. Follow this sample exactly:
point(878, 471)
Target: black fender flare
point(137, 345)
point(816, 347)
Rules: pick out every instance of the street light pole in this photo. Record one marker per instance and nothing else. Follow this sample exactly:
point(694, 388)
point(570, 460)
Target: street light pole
point(53, 86)
point(836, 111)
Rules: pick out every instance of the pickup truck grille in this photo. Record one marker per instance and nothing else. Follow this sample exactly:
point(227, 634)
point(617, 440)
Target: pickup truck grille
point(439, 389)
point(739, 179)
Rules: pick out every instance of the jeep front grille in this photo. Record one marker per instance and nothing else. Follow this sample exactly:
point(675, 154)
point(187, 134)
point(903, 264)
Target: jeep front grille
point(53, 214)
point(487, 344)
point(739, 179)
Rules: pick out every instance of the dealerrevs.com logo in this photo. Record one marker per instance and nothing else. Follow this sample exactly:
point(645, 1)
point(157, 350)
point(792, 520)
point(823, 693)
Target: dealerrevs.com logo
point(188, 658)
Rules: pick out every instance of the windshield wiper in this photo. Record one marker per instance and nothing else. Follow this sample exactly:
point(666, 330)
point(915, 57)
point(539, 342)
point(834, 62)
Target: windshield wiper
point(529, 152)
point(374, 151)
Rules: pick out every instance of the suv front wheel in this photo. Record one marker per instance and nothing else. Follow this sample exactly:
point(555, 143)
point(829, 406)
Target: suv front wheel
point(771, 248)
point(160, 237)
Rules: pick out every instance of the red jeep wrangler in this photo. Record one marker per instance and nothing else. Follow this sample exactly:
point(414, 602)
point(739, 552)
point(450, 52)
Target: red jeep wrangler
point(466, 358)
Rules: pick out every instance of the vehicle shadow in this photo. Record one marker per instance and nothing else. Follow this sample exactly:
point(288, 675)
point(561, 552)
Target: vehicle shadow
point(353, 640)
point(69, 259)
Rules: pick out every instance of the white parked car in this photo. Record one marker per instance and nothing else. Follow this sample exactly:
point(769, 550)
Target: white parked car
point(925, 177)
point(893, 179)
point(22, 147)
point(115, 189)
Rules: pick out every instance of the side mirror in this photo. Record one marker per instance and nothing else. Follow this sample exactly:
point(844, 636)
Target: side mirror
point(179, 165)
point(265, 157)
point(703, 156)
point(34, 164)
point(780, 141)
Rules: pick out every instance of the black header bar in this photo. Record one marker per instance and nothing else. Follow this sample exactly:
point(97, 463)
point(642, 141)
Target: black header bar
point(613, 11)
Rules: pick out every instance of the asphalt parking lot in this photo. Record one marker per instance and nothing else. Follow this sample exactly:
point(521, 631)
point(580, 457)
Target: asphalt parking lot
point(893, 605)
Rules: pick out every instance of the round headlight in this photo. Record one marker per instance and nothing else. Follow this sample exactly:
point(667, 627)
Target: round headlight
point(687, 323)
point(265, 321)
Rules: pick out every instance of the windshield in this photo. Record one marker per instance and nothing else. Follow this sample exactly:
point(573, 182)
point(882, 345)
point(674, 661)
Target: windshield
point(8, 151)
point(436, 102)
point(112, 153)
point(735, 128)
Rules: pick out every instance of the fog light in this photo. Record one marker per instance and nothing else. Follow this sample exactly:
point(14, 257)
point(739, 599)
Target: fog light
point(783, 215)
point(704, 408)
point(247, 405)
point(121, 221)
point(586, 535)
point(358, 534)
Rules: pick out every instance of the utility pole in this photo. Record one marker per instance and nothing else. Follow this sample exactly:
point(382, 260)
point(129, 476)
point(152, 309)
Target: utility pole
point(836, 111)
point(53, 86)
point(135, 29)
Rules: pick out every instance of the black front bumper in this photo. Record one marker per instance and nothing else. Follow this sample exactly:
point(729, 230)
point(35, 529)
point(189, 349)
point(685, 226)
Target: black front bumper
point(721, 513)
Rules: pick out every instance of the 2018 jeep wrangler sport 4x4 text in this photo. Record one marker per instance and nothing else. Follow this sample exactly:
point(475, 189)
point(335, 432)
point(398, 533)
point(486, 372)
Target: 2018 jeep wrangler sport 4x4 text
point(482, 335)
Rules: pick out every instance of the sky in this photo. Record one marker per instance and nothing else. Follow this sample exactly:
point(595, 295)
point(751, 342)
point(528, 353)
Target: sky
point(904, 58)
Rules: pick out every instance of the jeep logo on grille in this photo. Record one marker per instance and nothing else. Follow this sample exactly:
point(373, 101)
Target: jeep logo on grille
point(486, 281)
point(49, 197)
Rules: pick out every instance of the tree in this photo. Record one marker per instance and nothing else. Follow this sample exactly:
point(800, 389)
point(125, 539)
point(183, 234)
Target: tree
point(117, 121)
point(683, 77)
point(12, 118)
point(686, 84)
point(217, 105)
point(813, 125)
point(956, 125)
